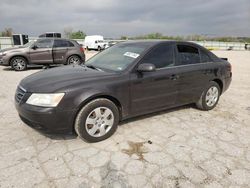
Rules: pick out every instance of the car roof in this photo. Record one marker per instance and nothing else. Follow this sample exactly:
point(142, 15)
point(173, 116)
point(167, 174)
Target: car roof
point(155, 42)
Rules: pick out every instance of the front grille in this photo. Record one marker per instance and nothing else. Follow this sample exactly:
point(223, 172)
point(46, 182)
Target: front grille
point(20, 92)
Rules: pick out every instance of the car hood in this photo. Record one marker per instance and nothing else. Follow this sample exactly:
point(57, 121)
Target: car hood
point(61, 79)
point(14, 49)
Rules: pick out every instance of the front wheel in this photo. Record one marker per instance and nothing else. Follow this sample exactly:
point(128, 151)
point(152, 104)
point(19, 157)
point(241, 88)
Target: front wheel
point(97, 120)
point(209, 97)
point(74, 60)
point(18, 63)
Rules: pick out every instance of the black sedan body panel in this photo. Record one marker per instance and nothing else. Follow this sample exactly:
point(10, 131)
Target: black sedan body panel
point(133, 92)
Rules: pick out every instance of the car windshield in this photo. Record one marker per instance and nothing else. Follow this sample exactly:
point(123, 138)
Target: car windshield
point(118, 57)
point(28, 44)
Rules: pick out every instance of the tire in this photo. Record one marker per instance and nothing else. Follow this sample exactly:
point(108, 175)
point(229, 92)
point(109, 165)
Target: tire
point(74, 60)
point(99, 127)
point(18, 63)
point(209, 97)
point(99, 48)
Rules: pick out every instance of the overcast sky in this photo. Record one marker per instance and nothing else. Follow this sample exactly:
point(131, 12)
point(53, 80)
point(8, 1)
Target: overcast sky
point(113, 18)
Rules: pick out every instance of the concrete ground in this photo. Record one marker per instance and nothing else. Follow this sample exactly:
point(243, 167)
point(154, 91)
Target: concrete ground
point(182, 147)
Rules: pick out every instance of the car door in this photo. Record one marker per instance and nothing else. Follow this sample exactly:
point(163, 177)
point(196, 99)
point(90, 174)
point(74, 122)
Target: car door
point(153, 90)
point(194, 74)
point(60, 49)
point(41, 52)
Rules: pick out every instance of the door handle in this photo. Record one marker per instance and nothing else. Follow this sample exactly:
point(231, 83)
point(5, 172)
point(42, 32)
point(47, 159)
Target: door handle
point(174, 77)
point(207, 72)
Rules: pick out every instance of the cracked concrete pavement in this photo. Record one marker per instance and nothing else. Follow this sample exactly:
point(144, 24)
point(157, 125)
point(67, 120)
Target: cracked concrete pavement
point(181, 147)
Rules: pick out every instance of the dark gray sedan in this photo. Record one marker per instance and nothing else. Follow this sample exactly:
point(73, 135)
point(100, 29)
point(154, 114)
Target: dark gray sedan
point(43, 52)
point(126, 80)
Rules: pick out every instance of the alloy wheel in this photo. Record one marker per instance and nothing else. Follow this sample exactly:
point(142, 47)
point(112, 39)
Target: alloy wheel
point(212, 96)
point(19, 64)
point(74, 60)
point(99, 121)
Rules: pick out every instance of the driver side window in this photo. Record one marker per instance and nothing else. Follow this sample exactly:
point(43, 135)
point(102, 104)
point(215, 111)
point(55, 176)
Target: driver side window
point(46, 43)
point(161, 56)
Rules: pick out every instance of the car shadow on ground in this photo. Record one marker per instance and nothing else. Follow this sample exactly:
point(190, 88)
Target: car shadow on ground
point(33, 67)
point(122, 123)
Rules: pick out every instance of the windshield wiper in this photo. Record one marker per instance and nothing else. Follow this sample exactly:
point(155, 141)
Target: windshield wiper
point(93, 67)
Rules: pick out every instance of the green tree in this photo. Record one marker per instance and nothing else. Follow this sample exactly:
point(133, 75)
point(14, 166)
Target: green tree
point(124, 38)
point(78, 35)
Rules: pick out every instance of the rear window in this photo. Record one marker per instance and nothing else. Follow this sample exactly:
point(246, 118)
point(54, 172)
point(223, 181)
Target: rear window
point(205, 58)
point(188, 55)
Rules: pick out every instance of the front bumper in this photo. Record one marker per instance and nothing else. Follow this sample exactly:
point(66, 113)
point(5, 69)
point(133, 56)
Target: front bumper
point(3, 61)
point(46, 120)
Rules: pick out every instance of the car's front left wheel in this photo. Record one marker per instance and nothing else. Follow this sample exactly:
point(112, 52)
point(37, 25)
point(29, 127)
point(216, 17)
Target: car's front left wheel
point(18, 63)
point(97, 120)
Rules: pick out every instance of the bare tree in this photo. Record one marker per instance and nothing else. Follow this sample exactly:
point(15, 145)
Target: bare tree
point(7, 32)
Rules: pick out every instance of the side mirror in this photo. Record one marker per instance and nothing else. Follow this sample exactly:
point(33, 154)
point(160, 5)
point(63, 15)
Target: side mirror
point(146, 67)
point(34, 47)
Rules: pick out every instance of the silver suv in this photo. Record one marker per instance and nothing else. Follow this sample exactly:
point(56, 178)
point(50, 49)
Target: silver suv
point(43, 52)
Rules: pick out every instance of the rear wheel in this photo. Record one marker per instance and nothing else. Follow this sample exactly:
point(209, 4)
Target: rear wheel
point(18, 63)
point(74, 59)
point(209, 97)
point(97, 120)
point(99, 48)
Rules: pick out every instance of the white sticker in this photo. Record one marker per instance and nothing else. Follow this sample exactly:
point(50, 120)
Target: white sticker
point(131, 54)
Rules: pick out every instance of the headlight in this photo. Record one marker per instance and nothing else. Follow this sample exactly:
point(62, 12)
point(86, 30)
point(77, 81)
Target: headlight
point(2, 54)
point(45, 100)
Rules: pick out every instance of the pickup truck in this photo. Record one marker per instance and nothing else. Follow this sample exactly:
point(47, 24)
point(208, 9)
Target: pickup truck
point(43, 52)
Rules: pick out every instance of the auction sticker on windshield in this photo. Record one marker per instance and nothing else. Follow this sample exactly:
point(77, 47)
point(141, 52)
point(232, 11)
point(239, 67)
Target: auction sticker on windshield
point(131, 54)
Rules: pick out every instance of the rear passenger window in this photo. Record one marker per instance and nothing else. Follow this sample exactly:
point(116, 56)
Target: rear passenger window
point(188, 55)
point(45, 43)
point(62, 44)
point(205, 57)
point(162, 56)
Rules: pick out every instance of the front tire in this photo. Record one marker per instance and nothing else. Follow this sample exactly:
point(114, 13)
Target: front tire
point(18, 63)
point(97, 120)
point(209, 97)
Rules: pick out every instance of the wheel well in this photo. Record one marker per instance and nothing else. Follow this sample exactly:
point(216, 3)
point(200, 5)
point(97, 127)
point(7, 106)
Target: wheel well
point(113, 99)
point(18, 56)
point(220, 83)
point(74, 55)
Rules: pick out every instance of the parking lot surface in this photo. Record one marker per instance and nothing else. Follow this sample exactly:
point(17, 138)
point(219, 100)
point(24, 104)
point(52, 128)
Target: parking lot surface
point(181, 147)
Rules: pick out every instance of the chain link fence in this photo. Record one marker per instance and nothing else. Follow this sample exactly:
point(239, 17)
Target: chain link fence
point(7, 42)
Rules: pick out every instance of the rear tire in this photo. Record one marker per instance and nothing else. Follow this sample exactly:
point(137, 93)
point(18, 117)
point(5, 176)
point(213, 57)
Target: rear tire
point(97, 120)
point(99, 48)
point(18, 63)
point(209, 97)
point(74, 60)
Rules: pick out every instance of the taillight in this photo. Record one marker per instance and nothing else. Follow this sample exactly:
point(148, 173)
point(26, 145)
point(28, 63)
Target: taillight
point(229, 67)
point(82, 49)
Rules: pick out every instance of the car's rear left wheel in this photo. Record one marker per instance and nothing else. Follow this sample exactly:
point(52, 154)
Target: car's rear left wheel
point(97, 120)
point(74, 60)
point(209, 97)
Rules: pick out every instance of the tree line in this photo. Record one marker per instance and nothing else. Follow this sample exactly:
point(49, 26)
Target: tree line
point(187, 38)
point(79, 34)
